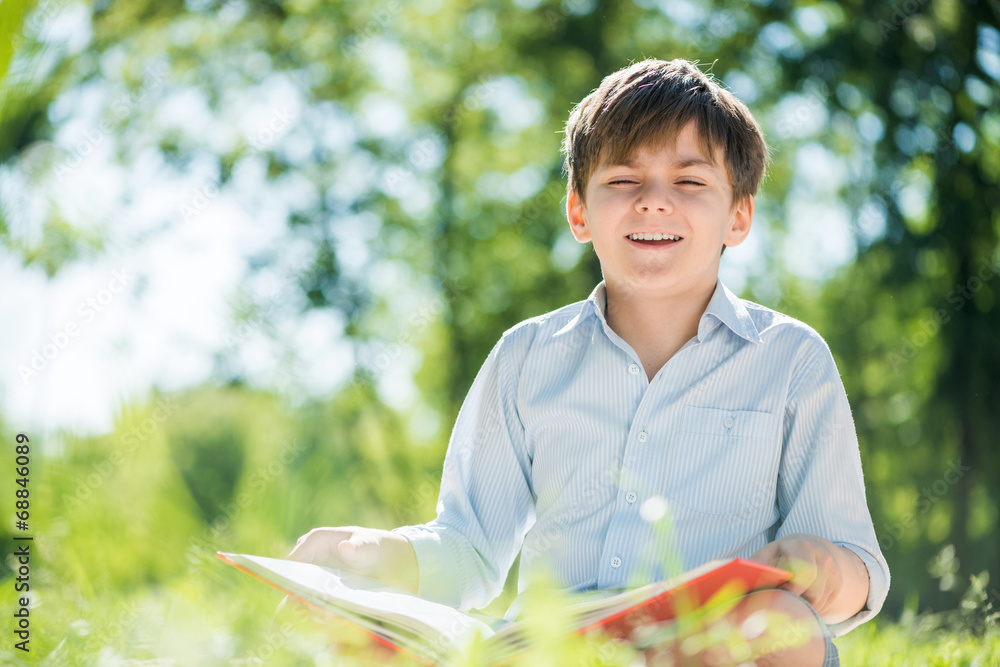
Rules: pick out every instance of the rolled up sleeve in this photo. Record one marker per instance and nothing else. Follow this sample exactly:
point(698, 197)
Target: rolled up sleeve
point(486, 505)
point(820, 485)
point(878, 589)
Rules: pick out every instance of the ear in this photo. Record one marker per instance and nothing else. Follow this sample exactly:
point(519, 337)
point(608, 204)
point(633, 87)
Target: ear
point(576, 214)
point(739, 222)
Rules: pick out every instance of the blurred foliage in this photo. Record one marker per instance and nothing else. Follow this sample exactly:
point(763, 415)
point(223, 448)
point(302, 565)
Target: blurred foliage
point(413, 149)
point(125, 526)
point(913, 321)
point(124, 566)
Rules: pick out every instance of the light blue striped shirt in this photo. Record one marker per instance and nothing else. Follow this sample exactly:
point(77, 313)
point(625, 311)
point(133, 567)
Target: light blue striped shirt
point(564, 450)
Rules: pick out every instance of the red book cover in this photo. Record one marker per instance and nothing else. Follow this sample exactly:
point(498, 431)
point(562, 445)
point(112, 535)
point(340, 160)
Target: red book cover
point(727, 582)
point(619, 614)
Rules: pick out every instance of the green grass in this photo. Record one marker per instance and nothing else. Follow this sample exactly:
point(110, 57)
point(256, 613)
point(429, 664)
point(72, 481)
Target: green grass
point(215, 615)
point(917, 643)
point(123, 570)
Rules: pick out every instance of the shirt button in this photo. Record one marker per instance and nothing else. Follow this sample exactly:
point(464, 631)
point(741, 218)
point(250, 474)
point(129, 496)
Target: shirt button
point(729, 422)
point(633, 369)
point(631, 497)
point(616, 562)
point(642, 436)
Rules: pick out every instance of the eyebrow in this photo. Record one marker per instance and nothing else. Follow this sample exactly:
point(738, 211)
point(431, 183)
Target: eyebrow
point(683, 163)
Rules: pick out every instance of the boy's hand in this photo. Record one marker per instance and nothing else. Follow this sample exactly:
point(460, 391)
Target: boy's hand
point(368, 551)
point(768, 627)
point(834, 580)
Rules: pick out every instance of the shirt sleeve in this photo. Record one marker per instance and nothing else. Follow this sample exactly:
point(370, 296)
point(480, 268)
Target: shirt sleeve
point(820, 484)
point(486, 504)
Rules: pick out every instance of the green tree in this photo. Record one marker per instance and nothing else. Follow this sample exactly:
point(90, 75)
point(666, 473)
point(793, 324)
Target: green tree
point(922, 361)
point(412, 149)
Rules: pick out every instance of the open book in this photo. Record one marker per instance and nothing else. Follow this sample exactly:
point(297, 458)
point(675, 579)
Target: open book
point(440, 634)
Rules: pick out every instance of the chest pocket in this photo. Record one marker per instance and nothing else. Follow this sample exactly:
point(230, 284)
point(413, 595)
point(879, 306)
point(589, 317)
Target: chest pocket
point(724, 462)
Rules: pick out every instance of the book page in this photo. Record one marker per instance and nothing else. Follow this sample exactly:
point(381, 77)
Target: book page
point(359, 598)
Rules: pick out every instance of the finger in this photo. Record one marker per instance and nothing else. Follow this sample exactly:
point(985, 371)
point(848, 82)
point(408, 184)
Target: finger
point(793, 586)
point(769, 554)
point(816, 588)
point(360, 552)
point(319, 546)
point(804, 569)
point(803, 577)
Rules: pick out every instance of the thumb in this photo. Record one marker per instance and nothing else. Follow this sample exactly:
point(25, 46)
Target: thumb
point(359, 553)
point(769, 554)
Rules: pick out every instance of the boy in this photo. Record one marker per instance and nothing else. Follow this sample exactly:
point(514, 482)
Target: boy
point(662, 394)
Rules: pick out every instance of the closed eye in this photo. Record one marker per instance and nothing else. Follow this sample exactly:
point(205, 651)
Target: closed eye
point(624, 181)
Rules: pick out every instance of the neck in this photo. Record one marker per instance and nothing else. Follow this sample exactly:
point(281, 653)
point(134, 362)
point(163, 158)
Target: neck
point(656, 324)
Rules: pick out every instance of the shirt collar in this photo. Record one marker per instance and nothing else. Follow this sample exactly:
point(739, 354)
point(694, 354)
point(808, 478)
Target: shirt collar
point(724, 307)
point(594, 305)
point(729, 309)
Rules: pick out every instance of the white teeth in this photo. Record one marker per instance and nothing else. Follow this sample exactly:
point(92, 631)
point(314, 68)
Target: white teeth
point(647, 236)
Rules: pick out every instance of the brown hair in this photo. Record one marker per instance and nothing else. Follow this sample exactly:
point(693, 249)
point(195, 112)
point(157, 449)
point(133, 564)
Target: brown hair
point(649, 102)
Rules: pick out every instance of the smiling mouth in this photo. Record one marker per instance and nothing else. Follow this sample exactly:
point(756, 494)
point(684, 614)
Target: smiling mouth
point(647, 238)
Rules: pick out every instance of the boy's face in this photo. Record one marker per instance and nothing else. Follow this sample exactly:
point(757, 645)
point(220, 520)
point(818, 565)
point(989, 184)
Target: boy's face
point(669, 190)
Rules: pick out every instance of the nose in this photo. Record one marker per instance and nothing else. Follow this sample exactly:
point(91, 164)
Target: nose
point(654, 198)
